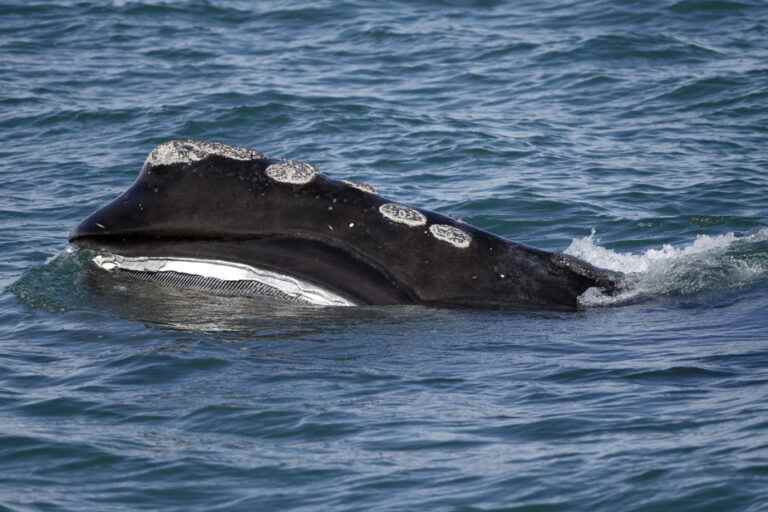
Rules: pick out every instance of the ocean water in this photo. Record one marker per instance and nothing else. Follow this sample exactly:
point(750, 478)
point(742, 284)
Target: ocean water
point(632, 134)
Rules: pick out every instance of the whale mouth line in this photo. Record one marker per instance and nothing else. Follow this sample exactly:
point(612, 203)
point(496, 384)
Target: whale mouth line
point(219, 276)
point(343, 276)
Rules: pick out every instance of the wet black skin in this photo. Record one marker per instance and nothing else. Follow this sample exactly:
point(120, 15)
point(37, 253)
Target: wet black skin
point(329, 233)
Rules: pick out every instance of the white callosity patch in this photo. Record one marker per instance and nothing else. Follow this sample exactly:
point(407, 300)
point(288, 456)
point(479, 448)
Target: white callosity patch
point(365, 187)
point(294, 172)
point(188, 151)
point(225, 271)
point(452, 235)
point(402, 214)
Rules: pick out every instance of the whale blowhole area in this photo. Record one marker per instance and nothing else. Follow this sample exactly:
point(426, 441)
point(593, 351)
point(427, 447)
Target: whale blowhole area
point(188, 151)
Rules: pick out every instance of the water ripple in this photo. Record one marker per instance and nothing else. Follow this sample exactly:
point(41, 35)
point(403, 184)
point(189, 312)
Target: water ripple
point(645, 121)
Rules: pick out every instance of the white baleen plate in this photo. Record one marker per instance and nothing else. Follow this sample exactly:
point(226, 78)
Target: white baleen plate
point(188, 151)
point(403, 214)
point(451, 234)
point(294, 172)
point(225, 271)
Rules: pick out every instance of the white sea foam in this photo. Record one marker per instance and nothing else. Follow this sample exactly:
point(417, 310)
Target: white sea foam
point(708, 263)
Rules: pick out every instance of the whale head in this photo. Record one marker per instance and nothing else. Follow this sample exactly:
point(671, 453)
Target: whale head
point(201, 210)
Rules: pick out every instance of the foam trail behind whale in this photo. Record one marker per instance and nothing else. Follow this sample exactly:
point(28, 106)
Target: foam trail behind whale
point(710, 262)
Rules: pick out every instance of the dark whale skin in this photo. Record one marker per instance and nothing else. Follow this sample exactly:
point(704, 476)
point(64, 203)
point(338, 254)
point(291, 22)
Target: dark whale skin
point(329, 232)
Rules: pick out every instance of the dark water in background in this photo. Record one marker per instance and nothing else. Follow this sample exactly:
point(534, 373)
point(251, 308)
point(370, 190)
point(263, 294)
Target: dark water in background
point(539, 120)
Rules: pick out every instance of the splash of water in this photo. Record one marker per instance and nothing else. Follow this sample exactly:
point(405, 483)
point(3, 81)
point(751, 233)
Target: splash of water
point(708, 263)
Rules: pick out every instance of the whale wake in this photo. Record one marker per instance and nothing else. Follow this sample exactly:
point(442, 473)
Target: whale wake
point(730, 260)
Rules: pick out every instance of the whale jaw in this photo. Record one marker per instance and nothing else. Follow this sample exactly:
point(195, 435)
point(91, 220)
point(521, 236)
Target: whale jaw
point(221, 277)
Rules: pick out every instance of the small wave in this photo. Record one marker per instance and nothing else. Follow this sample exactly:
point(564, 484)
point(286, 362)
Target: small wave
point(708, 6)
point(709, 263)
point(631, 46)
point(679, 373)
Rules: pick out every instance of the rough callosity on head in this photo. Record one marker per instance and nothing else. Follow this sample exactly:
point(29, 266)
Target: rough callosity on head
point(453, 235)
point(402, 214)
point(365, 187)
point(188, 151)
point(293, 172)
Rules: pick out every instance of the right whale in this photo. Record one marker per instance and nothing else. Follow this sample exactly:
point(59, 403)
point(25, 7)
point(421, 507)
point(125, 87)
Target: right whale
point(230, 219)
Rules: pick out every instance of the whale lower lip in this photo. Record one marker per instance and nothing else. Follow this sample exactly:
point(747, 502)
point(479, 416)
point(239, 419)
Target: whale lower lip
point(224, 263)
point(222, 276)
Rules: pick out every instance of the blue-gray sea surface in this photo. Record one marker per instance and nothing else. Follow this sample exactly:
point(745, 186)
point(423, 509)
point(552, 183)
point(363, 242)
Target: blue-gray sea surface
point(632, 134)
